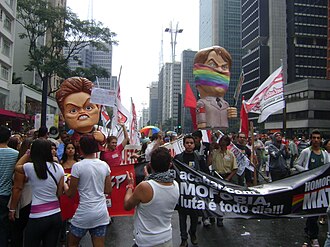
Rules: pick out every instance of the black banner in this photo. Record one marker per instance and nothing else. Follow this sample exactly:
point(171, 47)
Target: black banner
point(303, 194)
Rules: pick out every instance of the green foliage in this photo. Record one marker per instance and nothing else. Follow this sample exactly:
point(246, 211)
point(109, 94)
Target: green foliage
point(91, 73)
point(48, 29)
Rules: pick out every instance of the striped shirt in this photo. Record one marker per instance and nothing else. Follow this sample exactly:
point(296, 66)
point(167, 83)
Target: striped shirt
point(8, 159)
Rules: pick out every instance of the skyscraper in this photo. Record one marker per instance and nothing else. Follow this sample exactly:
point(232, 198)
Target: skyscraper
point(187, 76)
point(293, 33)
point(220, 24)
point(89, 56)
point(153, 103)
point(169, 88)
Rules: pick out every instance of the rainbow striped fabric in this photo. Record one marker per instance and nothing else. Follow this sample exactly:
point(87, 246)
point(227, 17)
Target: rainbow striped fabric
point(208, 76)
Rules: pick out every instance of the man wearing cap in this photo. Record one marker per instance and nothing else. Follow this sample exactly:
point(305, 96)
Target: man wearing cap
point(53, 135)
point(278, 154)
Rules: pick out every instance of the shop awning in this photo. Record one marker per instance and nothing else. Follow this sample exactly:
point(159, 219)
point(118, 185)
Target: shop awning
point(12, 114)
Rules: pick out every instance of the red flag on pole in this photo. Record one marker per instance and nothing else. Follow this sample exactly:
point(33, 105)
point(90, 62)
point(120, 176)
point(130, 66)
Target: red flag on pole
point(190, 102)
point(244, 128)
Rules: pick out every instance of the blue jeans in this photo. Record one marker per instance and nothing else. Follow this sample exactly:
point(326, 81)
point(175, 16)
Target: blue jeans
point(4, 221)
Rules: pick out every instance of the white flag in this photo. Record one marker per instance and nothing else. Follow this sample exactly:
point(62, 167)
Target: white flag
point(269, 97)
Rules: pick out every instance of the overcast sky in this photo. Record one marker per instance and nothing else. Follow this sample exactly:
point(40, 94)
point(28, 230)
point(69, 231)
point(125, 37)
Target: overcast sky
point(140, 26)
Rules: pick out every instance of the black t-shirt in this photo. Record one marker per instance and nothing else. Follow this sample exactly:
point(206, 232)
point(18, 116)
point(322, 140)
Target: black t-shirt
point(189, 159)
point(245, 150)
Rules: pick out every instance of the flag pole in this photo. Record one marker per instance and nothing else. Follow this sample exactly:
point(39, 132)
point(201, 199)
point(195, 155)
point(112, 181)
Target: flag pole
point(255, 180)
point(284, 109)
point(238, 88)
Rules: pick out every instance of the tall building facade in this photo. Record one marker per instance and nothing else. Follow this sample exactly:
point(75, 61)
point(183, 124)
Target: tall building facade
point(263, 42)
point(153, 103)
point(169, 91)
point(89, 56)
point(7, 38)
point(187, 63)
point(307, 37)
point(220, 24)
point(295, 34)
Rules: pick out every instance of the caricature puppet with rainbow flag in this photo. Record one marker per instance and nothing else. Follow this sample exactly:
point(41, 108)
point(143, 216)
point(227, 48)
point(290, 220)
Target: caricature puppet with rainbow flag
point(212, 75)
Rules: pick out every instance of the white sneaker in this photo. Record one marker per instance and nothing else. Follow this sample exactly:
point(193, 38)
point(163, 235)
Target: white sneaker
point(206, 222)
point(315, 243)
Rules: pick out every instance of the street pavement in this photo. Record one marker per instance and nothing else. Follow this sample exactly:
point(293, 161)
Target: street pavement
point(236, 232)
point(277, 232)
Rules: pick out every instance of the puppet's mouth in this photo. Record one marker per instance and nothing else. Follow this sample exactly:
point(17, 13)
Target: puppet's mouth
point(83, 117)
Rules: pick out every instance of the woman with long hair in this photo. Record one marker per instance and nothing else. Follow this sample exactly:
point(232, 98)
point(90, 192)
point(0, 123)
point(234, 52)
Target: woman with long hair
point(46, 179)
point(20, 200)
point(68, 205)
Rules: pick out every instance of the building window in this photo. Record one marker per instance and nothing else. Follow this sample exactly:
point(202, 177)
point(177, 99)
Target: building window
point(323, 95)
point(323, 115)
point(7, 23)
point(10, 3)
point(4, 72)
point(6, 48)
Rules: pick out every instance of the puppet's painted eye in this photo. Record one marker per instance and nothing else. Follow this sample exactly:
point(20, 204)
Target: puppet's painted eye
point(213, 64)
point(89, 107)
point(225, 67)
point(73, 110)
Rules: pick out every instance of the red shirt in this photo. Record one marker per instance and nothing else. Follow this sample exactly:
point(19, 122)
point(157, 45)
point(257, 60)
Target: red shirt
point(113, 158)
point(68, 205)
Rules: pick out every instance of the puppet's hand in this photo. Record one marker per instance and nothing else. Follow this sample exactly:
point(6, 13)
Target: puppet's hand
point(98, 135)
point(232, 112)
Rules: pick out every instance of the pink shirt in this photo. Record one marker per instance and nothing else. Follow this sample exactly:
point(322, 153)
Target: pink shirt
point(113, 158)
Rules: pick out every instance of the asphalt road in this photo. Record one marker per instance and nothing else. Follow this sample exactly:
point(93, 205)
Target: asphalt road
point(236, 232)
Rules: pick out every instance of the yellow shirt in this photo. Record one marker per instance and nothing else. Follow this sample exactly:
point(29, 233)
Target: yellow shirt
point(223, 163)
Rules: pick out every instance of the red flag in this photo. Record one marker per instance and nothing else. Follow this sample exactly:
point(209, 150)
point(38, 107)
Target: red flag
point(244, 120)
point(190, 102)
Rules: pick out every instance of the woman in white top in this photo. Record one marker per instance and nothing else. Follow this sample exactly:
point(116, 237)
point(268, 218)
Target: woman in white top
point(46, 179)
point(91, 177)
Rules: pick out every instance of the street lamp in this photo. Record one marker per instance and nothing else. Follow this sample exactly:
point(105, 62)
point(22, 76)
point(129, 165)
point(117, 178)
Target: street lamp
point(173, 39)
point(174, 33)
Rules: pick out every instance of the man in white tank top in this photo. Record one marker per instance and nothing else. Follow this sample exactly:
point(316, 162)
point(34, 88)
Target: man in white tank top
point(155, 200)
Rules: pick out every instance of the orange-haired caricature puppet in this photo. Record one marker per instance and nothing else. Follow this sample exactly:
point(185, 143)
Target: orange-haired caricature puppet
point(79, 113)
point(212, 75)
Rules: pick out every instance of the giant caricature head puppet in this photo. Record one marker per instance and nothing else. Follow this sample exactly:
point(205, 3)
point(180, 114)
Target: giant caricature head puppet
point(212, 75)
point(79, 113)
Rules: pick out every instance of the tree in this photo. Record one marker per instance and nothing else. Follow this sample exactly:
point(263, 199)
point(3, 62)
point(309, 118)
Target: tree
point(48, 29)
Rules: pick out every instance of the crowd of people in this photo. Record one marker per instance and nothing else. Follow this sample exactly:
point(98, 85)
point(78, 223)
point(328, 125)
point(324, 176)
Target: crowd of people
point(49, 183)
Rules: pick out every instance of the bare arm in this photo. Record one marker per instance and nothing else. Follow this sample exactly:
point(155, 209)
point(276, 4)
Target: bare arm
point(126, 138)
point(19, 165)
point(107, 185)
point(142, 193)
point(60, 186)
point(71, 190)
point(19, 181)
